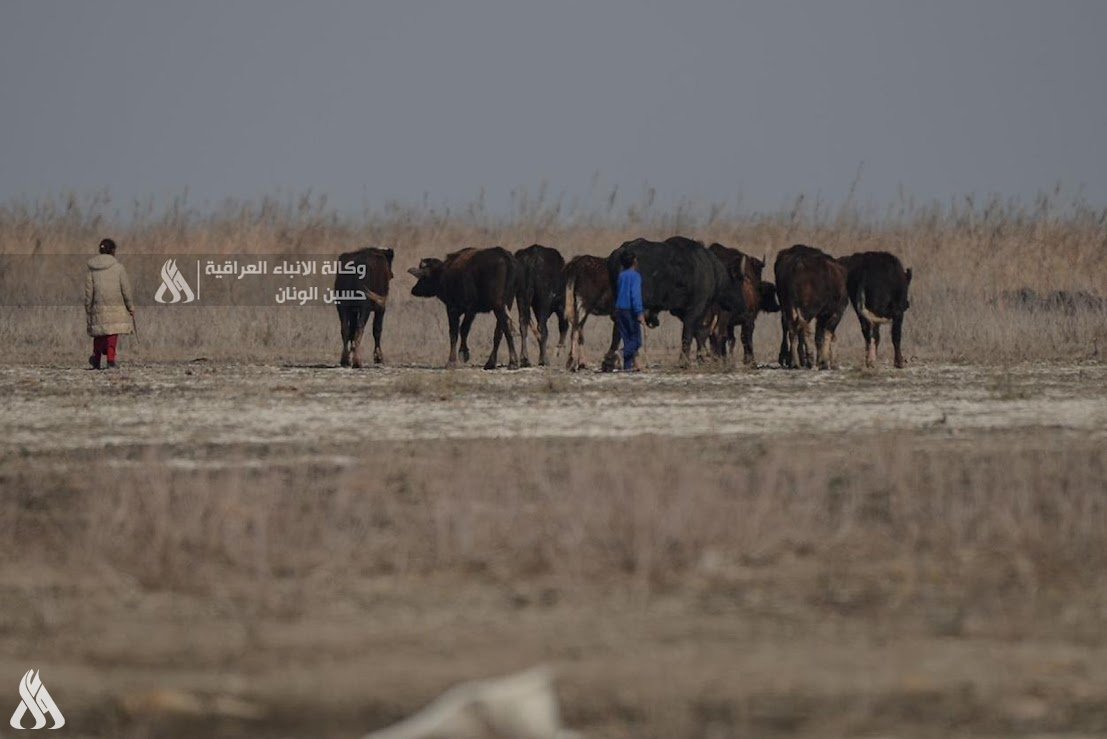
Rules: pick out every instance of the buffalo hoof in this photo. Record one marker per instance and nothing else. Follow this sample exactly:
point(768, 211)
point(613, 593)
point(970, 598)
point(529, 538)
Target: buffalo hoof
point(901, 363)
point(464, 354)
point(513, 365)
point(524, 362)
point(356, 362)
point(452, 364)
point(378, 358)
point(490, 365)
point(345, 361)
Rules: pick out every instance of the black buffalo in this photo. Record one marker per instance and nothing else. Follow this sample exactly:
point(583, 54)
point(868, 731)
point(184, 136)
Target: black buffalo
point(757, 295)
point(877, 284)
point(364, 273)
point(679, 275)
point(587, 292)
point(541, 292)
point(811, 285)
point(469, 282)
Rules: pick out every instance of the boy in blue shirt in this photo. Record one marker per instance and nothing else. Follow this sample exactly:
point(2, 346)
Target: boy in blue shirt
point(628, 310)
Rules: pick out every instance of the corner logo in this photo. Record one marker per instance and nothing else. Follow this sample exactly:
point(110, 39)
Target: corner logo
point(173, 282)
point(36, 700)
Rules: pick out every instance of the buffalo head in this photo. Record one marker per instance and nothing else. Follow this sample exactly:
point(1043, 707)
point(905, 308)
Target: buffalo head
point(428, 277)
point(769, 302)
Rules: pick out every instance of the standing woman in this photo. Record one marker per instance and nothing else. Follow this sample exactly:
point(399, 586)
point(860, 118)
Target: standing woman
point(107, 304)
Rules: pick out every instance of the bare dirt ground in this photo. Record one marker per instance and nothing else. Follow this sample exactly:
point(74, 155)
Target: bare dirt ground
point(221, 404)
point(219, 549)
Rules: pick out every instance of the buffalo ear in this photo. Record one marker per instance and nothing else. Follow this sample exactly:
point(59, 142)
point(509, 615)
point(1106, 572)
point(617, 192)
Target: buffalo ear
point(908, 275)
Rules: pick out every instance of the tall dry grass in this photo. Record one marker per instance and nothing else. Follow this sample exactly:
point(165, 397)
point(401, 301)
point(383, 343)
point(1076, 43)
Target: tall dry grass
point(1007, 522)
point(963, 253)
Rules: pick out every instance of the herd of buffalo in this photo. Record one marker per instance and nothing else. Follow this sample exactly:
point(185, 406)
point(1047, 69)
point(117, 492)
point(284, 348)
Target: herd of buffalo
point(713, 291)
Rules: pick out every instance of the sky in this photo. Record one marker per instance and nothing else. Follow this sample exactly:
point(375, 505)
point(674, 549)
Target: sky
point(703, 100)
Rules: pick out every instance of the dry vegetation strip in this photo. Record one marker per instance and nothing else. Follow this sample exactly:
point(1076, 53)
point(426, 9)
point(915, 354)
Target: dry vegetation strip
point(353, 591)
point(963, 255)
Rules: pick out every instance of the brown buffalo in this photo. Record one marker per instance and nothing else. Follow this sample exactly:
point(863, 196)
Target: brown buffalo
point(365, 273)
point(811, 285)
point(469, 282)
point(587, 292)
point(757, 294)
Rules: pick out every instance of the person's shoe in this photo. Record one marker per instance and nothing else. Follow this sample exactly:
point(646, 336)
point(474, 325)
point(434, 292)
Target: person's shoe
point(111, 365)
point(93, 362)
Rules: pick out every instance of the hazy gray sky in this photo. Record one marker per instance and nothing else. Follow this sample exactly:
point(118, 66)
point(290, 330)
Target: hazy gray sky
point(380, 100)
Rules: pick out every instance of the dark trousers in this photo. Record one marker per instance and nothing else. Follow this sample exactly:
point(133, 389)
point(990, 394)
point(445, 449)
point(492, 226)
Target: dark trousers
point(630, 331)
point(105, 345)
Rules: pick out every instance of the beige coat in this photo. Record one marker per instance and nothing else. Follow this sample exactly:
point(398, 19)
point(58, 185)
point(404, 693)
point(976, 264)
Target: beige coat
point(107, 297)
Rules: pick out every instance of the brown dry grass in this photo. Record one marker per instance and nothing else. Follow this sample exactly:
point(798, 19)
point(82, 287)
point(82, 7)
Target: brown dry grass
point(1033, 515)
point(327, 588)
point(963, 254)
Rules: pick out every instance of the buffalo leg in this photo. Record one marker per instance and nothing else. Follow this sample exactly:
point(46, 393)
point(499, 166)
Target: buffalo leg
point(524, 329)
point(345, 360)
point(747, 340)
point(513, 358)
point(503, 330)
point(803, 332)
point(786, 357)
point(822, 345)
point(562, 330)
point(454, 317)
point(466, 324)
point(868, 329)
point(828, 325)
point(496, 338)
point(716, 336)
point(611, 359)
point(378, 326)
point(703, 339)
point(897, 339)
point(355, 340)
point(576, 345)
point(689, 331)
point(543, 336)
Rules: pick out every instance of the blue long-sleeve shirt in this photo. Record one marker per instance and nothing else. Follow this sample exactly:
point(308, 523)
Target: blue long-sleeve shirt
point(629, 293)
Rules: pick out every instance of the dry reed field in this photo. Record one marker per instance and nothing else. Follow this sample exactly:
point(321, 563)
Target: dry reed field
point(964, 255)
point(232, 536)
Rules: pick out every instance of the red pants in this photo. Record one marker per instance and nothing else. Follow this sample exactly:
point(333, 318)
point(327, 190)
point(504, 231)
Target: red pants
point(105, 345)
